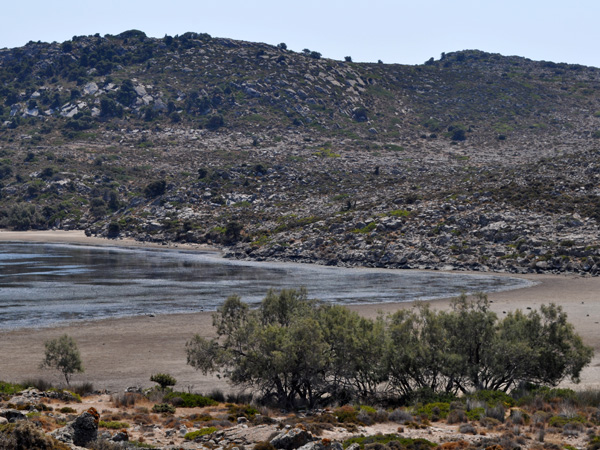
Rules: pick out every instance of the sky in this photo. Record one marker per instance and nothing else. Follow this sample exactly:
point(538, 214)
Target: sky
point(404, 32)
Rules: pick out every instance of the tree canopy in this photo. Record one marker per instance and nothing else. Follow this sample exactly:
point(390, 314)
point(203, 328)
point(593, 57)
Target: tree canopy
point(63, 355)
point(299, 351)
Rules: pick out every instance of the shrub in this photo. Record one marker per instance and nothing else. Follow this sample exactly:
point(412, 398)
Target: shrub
point(492, 398)
point(164, 380)
point(476, 413)
point(164, 408)
point(155, 188)
point(187, 400)
point(346, 414)
point(400, 416)
point(26, 436)
point(113, 230)
point(125, 399)
point(519, 417)
point(467, 428)
point(217, 395)
point(10, 388)
point(497, 412)
point(215, 122)
point(435, 411)
point(560, 421)
point(113, 425)
point(202, 432)
point(67, 410)
point(456, 416)
point(246, 411)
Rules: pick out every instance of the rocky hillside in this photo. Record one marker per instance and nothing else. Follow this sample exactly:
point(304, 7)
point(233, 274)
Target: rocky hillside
point(475, 161)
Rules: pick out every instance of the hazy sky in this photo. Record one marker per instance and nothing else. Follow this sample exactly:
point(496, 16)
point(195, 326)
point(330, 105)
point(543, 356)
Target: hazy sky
point(407, 32)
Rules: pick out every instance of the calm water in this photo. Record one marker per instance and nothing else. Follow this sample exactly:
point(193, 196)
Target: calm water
point(44, 284)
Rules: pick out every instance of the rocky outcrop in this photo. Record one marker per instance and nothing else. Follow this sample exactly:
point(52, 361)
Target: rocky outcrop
point(80, 432)
point(292, 439)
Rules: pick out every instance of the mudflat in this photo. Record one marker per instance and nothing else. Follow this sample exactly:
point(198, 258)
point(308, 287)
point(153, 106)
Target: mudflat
point(124, 352)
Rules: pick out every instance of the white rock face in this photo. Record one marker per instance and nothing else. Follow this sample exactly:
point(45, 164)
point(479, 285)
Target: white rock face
point(90, 88)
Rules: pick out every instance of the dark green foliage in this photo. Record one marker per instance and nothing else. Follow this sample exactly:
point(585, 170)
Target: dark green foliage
point(5, 170)
point(232, 232)
point(188, 400)
point(295, 350)
point(22, 217)
point(458, 134)
point(215, 122)
point(113, 230)
point(164, 380)
point(493, 398)
point(126, 94)
point(438, 410)
point(163, 408)
point(155, 188)
point(110, 108)
point(246, 411)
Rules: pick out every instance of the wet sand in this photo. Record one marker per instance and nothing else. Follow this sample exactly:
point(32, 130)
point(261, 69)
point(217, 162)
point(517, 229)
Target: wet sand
point(118, 353)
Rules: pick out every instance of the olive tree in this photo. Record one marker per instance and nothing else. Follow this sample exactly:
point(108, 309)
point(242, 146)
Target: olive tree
point(298, 351)
point(63, 355)
point(292, 349)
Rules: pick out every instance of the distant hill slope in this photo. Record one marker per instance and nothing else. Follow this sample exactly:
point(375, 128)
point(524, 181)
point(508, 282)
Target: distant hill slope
point(474, 161)
point(196, 80)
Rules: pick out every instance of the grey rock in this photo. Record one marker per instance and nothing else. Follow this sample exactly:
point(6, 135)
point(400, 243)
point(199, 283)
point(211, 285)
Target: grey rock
point(80, 432)
point(292, 439)
point(90, 88)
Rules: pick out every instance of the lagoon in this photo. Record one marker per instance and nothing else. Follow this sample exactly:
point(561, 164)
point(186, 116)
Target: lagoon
point(45, 285)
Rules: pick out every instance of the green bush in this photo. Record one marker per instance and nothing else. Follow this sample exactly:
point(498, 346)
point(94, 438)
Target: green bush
point(437, 410)
point(561, 421)
point(155, 188)
point(346, 414)
point(112, 425)
point(164, 408)
point(164, 380)
point(202, 432)
point(10, 388)
point(189, 400)
point(246, 411)
point(476, 414)
point(67, 410)
point(492, 398)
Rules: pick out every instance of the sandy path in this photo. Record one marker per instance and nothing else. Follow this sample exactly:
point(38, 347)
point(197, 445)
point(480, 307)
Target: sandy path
point(118, 353)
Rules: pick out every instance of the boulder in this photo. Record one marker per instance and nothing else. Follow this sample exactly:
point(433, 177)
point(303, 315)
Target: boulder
point(292, 439)
point(80, 432)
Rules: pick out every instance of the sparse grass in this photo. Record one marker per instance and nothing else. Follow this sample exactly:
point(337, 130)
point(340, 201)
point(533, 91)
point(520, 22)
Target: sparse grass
point(113, 425)
point(202, 432)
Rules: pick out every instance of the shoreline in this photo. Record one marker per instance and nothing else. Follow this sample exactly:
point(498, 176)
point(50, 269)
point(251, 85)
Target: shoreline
point(121, 352)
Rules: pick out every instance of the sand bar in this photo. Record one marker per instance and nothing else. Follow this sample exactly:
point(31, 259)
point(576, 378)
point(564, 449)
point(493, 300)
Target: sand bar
point(118, 353)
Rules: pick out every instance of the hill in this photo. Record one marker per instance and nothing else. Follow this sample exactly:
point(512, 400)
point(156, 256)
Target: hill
point(475, 161)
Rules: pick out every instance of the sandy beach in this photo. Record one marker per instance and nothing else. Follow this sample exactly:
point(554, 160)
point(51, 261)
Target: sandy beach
point(118, 353)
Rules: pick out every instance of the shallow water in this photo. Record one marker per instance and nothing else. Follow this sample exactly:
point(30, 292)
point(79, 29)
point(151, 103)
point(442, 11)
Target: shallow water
point(46, 284)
